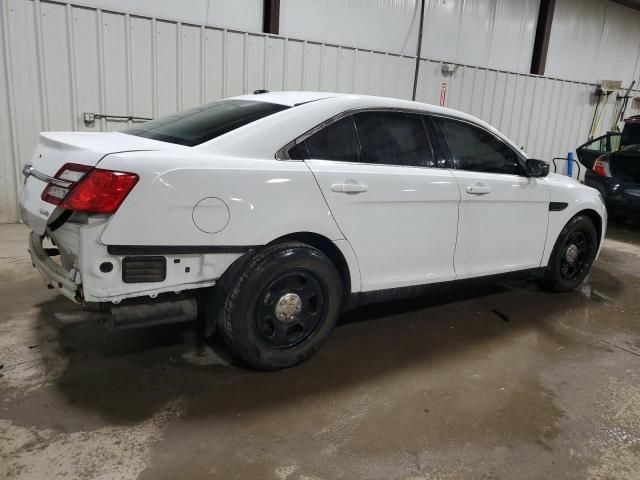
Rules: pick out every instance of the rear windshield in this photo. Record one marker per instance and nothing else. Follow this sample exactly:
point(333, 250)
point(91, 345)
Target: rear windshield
point(630, 134)
point(198, 125)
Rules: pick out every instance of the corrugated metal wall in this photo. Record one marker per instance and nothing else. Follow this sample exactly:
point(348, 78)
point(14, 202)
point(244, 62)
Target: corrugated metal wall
point(488, 33)
point(59, 60)
point(245, 15)
point(594, 40)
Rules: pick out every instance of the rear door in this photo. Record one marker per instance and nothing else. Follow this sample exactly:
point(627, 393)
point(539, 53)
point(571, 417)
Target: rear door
point(503, 217)
point(389, 196)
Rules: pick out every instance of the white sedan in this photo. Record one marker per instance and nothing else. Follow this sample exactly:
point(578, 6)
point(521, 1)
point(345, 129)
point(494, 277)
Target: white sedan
point(274, 212)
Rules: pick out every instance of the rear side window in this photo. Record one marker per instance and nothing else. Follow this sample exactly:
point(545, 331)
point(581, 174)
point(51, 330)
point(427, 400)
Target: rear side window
point(334, 142)
point(201, 124)
point(394, 138)
point(477, 150)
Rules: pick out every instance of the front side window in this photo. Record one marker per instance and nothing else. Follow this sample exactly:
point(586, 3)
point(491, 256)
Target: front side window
point(394, 138)
point(477, 150)
point(336, 141)
point(198, 125)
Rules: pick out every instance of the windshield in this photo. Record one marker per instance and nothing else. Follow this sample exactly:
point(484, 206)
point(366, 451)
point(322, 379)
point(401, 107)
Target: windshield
point(631, 134)
point(198, 125)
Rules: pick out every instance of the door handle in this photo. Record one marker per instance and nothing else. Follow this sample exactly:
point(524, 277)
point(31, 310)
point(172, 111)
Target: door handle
point(349, 188)
point(478, 190)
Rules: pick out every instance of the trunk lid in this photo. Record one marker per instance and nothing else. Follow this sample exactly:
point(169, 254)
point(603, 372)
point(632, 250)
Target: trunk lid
point(57, 149)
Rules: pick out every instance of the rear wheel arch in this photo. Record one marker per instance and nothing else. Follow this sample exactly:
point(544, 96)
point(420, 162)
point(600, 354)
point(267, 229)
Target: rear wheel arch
point(327, 247)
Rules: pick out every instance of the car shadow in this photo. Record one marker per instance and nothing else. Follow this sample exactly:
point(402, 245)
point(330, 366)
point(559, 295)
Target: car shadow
point(128, 376)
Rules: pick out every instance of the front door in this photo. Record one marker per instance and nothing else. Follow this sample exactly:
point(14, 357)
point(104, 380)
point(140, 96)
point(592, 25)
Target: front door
point(503, 214)
point(389, 197)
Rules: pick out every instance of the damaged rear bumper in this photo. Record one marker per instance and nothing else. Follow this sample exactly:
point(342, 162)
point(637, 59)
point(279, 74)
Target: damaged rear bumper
point(67, 282)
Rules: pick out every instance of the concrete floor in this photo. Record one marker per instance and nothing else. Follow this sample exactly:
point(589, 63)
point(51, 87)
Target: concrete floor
point(495, 381)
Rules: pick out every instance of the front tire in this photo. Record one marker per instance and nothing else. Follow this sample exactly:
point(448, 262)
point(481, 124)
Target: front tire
point(282, 307)
point(572, 255)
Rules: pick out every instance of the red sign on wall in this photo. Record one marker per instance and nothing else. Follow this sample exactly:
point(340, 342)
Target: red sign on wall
point(443, 94)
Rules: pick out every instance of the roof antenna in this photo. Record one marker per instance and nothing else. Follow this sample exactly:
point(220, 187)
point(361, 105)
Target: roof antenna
point(258, 92)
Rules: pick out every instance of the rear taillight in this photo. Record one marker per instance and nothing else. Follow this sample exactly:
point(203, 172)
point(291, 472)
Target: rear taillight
point(100, 191)
point(63, 182)
point(601, 167)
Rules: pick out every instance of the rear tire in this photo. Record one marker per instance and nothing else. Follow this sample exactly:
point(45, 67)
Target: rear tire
point(572, 255)
point(282, 307)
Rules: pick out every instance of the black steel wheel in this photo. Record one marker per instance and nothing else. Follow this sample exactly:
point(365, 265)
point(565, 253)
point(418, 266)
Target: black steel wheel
point(573, 260)
point(282, 306)
point(290, 308)
point(572, 255)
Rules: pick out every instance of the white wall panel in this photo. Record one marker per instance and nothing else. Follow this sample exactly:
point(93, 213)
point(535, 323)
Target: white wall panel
point(384, 25)
point(312, 66)
point(236, 14)
point(141, 53)
point(594, 40)
point(214, 64)
point(87, 63)
point(235, 64)
point(191, 67)
point(58, 60)
point(167, 72)
point(330, 63)
point(9, 180)
point(275, 64)
point(295, 61)
point(488, 33)
point(255, 62)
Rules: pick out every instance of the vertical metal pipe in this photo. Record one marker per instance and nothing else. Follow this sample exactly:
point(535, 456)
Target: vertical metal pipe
point(418, 52)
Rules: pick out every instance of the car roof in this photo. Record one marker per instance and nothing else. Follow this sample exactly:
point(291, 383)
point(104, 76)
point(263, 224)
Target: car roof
point(290, 98)
point(340, 102)
point(633, 119)
point(295, 98)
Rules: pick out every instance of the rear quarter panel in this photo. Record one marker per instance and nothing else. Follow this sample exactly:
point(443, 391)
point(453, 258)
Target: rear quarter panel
point(266, 199)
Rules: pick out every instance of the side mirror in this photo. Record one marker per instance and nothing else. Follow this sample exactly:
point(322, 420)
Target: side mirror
point(536, 168)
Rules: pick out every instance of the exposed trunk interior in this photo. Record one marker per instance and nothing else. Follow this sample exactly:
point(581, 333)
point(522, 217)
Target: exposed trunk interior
point(625, 165)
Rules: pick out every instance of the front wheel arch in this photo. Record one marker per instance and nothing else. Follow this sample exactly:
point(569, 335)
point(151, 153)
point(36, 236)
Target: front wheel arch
point(595, 218)
point(561, 273)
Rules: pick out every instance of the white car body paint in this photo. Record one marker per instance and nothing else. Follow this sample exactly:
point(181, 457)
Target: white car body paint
point(410, 225)
point(402, 228)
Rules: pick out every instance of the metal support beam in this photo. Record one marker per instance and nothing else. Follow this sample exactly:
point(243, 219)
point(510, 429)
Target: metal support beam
point(271, 16)
point(418, 52)
point(543, 33)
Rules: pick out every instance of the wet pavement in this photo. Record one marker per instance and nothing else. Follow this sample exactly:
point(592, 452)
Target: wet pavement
point(488, 381)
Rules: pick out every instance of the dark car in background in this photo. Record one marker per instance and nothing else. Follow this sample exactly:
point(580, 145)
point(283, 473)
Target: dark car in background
point(613, 168)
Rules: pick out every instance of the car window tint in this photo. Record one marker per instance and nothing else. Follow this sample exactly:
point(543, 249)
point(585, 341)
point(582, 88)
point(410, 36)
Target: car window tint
point(299, 152)
point(394, 138)
point(477, 150)
point(336, 141)
point(198, 125)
